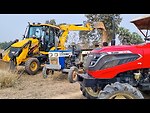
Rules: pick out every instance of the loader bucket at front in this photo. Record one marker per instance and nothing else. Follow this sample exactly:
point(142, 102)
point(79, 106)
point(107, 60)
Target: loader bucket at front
point(4, 65)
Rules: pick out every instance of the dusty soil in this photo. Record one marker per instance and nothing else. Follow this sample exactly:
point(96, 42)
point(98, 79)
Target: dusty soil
point(36, 87)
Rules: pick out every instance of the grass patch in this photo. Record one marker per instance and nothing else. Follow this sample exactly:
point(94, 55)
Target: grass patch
point(7, 79)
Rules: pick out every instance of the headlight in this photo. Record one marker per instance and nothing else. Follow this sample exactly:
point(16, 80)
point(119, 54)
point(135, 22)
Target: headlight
point(92, 63)
point(94, 59)
point(91, 59)
point(13, 52)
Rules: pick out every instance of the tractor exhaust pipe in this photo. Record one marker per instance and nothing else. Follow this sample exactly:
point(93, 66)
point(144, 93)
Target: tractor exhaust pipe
point(11, 44)
point(113, 41)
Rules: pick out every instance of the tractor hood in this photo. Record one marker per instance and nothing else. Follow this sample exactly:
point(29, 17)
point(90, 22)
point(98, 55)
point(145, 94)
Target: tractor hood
point(22, 42)
point(122, 49)
point(103, 61)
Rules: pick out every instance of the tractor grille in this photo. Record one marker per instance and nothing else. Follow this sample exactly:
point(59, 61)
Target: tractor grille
point(104, 61)
point(123, 61)
point(54, 60)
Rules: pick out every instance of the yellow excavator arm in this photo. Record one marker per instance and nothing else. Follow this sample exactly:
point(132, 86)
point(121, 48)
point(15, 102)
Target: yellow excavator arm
point(72, 27)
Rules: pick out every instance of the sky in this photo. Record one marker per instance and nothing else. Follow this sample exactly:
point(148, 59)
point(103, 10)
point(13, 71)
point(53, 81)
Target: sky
point(12, 26)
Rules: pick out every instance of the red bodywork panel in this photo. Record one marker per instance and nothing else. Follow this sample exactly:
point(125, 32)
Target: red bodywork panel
point(143, 62)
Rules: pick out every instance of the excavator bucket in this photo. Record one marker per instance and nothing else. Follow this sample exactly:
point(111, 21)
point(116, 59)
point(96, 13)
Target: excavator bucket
point(5, 65)
point(8, 66)
point(99, 25)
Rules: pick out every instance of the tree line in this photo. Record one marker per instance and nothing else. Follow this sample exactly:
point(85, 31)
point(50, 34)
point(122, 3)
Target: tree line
point(110, 20)
point(3, 45)
point(112, 24)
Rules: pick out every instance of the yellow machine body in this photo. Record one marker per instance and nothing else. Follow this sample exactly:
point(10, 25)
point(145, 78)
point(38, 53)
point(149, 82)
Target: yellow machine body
point(24, 54)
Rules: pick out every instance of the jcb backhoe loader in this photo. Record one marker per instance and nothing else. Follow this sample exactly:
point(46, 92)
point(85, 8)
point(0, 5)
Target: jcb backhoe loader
point(33, 49)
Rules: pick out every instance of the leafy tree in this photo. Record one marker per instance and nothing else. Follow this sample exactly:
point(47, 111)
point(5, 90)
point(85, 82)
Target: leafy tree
point(127, 38)
point(107, 19)
point(47, 22)
point(52, 22)
point(110, 21)
point(3, 45)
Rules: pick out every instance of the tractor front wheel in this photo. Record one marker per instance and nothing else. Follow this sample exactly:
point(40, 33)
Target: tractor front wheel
point(89, 92)
point(32, 66)
point(46, 72)
point(120, 91)
point(72, 75)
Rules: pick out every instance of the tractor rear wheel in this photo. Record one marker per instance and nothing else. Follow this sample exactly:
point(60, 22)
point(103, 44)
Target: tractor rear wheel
point(120, 91)
point(72, 75)
point(32, 65)
point(89, 92)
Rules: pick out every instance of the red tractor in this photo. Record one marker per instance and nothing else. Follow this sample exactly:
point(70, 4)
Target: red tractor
point(117, 72)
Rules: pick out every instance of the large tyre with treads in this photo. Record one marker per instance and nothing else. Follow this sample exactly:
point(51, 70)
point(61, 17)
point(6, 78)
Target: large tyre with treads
point(89, 92)
point(45, 72)
point(120, 91)
point(32, 66)
point(72, 75)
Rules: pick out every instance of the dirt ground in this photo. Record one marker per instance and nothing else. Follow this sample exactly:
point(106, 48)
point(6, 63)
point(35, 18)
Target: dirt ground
point(36, 87)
